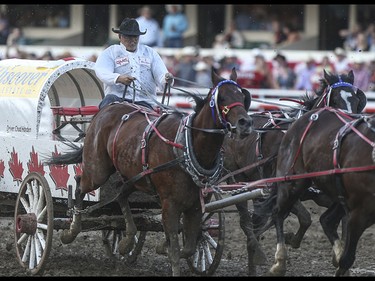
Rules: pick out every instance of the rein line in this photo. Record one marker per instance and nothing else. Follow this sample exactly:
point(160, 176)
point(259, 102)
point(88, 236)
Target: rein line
point(214, 131)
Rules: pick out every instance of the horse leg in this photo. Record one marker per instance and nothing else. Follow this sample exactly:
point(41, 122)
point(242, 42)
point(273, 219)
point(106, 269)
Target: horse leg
point(281, 254)
point(254, 252)
point(304, 219)
point(68, 235)
point(356, 225)
point(127, 243)
point(287, 196)
point(171, 221)
point(192, 225)
point(330, 220)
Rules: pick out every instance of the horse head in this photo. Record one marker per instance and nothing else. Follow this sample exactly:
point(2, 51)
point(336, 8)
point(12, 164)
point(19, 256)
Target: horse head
point(229, 103)
point(338, 91)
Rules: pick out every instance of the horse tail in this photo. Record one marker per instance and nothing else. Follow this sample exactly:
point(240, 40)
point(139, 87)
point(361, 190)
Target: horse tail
point(71, 157)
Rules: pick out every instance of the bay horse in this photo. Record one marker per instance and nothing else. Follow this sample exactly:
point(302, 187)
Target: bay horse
point(172, 154)
point(334, 151)
point(262, 146)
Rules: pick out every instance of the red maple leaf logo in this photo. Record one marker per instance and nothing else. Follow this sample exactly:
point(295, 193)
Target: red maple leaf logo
point(2, 168)
point(15, 166)
point(33, 164)
point(59, 174)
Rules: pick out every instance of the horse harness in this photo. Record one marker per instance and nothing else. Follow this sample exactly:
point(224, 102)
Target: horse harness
point(182, 145)
point(349, 126)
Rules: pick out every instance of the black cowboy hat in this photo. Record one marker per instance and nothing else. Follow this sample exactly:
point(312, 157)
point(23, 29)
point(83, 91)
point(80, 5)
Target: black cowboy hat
point(129, 27)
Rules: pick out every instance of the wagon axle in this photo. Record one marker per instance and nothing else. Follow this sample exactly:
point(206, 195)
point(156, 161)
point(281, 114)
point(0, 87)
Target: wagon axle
point(26, 223)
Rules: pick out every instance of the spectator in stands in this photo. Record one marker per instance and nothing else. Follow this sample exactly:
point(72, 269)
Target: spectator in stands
point(227, 63)
point(362, 74)
point(220, 42)
point(16, 37)
point(291, 33)
point(361, 43)
point(263, 75)
point(203, 74)
point(231, 38)
point(175, 24)
point(234, 37)
point(62, 19)
point(131, 63)
point(146, 21)
point(185, 66)
point(350, 35)
point(283, 75)
point(278, 35)
point(325, 64)
point(341, 65)
point(304, 73)
point(4, 29)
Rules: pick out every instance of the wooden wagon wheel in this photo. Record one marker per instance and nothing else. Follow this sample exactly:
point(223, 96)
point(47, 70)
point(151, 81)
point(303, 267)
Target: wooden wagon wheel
point(211, 242)
point(33, 223)
point(111, 239)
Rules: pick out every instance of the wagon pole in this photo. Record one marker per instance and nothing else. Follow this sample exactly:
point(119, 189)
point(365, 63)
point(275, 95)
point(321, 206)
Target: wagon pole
point(215, 205)
point(232, 200)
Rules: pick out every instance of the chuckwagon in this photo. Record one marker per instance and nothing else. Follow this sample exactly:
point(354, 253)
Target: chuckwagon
point(45, 106)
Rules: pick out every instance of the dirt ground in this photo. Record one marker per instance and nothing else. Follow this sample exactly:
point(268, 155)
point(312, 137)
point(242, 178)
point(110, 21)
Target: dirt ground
point(86, 256)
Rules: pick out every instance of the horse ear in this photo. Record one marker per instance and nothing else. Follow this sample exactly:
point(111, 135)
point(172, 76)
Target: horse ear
point(247, 98)
point(351, 77)
point(233, 75)
point(214, 77)
point(362, 100)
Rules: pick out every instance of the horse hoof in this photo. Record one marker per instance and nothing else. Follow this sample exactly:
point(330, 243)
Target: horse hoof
point(125, 246)
point(276, 271)
point(260, 257)
point(67, 236)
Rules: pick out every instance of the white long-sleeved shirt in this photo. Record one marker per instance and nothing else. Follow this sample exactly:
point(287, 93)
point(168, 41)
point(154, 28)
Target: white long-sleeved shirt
point(145, 64)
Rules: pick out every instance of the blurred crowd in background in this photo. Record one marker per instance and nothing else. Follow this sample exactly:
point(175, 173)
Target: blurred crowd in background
point(253, 72)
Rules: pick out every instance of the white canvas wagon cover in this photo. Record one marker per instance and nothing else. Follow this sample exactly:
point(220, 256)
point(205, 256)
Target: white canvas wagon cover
point(28, 89)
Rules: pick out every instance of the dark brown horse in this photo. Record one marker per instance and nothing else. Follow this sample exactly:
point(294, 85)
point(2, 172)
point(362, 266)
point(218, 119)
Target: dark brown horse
point(334, 152)
point(172, 154)
point(262, 146)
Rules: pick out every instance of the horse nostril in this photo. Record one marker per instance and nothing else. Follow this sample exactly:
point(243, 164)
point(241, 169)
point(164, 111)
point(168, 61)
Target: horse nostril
point(245, 122)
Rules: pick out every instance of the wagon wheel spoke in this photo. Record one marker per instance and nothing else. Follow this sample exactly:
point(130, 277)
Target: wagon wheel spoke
point(210, 243)
point(33, 223)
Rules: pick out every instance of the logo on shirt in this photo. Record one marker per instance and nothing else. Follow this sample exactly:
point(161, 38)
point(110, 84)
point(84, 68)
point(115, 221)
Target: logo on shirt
point(122, 61)
point(145, 61)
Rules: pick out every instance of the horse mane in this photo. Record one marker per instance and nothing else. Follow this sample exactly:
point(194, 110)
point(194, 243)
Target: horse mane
point(199, 103)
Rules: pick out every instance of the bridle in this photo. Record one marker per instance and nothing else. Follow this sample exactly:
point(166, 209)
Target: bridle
point(328, 93)
point(222, 111)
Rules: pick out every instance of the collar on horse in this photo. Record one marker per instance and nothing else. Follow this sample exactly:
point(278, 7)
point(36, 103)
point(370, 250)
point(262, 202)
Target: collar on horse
point(201, 176)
